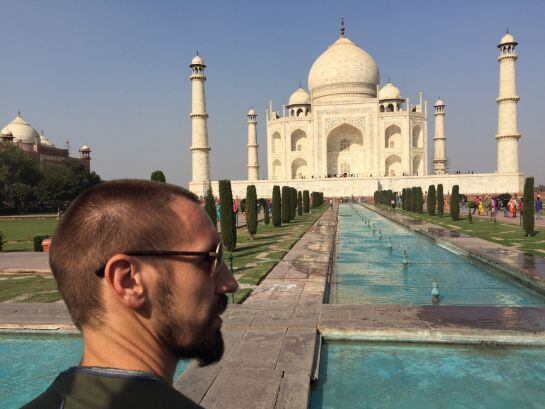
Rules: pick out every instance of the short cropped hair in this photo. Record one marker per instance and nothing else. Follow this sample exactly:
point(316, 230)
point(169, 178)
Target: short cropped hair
point(107, 219)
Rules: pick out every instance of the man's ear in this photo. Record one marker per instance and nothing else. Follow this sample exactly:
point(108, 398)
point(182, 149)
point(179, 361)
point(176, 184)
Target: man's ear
point(123, 276)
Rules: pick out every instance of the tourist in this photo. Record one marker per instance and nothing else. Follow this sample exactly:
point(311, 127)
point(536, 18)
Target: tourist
point(512, 208)
point(474, 205)
point(140, 268)
point(480, 206)
point(493, 208)
point(538, 207)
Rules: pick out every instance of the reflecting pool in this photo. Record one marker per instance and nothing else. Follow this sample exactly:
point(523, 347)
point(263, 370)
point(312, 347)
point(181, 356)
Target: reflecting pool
point(367, 271)
point(368, 375)
point(29, 363)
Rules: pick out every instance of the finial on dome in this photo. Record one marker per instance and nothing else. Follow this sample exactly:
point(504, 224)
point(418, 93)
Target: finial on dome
point(197, 52)
point(19, 112)
point(389, 81)
point(507, 30)
point(342, 27)
point(300, 84)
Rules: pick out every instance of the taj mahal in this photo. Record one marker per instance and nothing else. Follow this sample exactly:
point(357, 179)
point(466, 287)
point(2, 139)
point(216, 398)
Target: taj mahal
point(348, 135)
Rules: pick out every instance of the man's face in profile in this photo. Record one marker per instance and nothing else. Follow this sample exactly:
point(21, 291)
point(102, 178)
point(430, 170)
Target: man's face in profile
point(189, 301)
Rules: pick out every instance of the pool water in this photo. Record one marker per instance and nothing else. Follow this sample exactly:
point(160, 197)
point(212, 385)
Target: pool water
point(368, 375)
point(368, 272)
point(30, 363)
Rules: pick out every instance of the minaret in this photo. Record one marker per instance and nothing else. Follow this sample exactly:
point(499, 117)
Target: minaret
point(85, 157)
point(200, 150)
point(253, 162)
point(508, 134)
point(439, 148)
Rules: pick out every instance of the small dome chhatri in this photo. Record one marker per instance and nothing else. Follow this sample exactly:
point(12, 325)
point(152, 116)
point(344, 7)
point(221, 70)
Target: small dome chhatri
point(197, 60)
point(389, 91)
point(507, 39)
point(299, 97)
point(439, 103)
point(252, 112)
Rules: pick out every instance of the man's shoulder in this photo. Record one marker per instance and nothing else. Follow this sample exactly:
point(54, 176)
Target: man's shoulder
point(79, 389)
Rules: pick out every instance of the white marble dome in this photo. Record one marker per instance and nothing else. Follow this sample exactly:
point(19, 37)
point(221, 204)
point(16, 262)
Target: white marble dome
point(85, 148)
point(343, 62)
point(197, 60)
point(45, 141)
point(299, 97)
point(389, 91)
point(439, 103)
point(252, 112)
point(21, 131)
point(507, 39)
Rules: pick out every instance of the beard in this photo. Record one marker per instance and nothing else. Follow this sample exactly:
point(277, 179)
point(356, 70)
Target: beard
point(202, 342)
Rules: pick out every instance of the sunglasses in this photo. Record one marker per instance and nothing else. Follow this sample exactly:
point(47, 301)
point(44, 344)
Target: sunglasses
point(216, 255)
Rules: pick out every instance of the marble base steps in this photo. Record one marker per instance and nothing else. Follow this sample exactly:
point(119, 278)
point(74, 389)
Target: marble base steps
point(271, 339)
point(525, 267)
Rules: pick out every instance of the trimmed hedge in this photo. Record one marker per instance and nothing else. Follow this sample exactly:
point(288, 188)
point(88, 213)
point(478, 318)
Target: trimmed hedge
point(440, 200)
point(210, 207)
point(276, 207)
point(306, 201)
point(293, 202)
point(227, 217)
point(455, 203)
point(299, 203)
point(251, 210)
point(286, 196)
point(431, 202)
point(528, 222)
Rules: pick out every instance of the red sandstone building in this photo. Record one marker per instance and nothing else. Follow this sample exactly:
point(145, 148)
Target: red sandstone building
point(20, 133)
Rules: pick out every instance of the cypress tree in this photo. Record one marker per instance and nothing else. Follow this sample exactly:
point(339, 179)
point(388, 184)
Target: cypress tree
point(299, 203)
point(210, 207)
point(440, 200)
point(528, 207)
point(276, 207)
point(455, 203)
point(286, 204)
point(306, 201)
point(293, 202)
point(414, 199)
point(431, 203)
point(419, 200)
point(251, 210)
point(158, 176)
point(227, 220)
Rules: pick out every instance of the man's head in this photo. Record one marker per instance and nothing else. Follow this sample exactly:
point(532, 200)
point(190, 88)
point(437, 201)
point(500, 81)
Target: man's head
point(177, 298)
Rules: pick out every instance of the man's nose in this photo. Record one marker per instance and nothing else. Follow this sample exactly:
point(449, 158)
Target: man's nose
point(225, 282)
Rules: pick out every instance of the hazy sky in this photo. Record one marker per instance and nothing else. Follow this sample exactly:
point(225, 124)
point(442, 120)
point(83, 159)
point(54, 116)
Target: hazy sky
point(114, 74)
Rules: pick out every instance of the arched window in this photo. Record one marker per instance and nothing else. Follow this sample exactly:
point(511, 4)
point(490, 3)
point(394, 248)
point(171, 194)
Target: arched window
point(392, 137)
point(418, 140)
point(277, 169)
point(299, 169)
point(345, 169)
point(298, 140)
point(344, 145)
point(276, 143)
point(390, 108)
point(381, 109)
point(300, 112)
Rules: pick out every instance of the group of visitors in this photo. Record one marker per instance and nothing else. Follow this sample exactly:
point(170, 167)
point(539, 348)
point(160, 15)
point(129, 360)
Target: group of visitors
point(511, 205)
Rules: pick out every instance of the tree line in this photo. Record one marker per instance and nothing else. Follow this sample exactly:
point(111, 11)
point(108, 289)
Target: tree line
point(287, 203)
point(25, 186)
point(412, 200)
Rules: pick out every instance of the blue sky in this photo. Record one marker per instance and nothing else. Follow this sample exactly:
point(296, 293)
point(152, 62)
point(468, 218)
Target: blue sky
point(114, 75)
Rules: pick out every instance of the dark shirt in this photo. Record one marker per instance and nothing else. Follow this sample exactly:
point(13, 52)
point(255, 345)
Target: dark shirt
point(90, 387)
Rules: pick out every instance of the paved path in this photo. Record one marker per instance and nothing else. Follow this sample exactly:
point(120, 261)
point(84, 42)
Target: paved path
point(24, 261)
point(501, 219)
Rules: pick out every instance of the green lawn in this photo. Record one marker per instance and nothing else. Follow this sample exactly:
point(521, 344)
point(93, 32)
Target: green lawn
point(19, 233)
point(252, 259)
point(507, 234)
point(28, 288)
